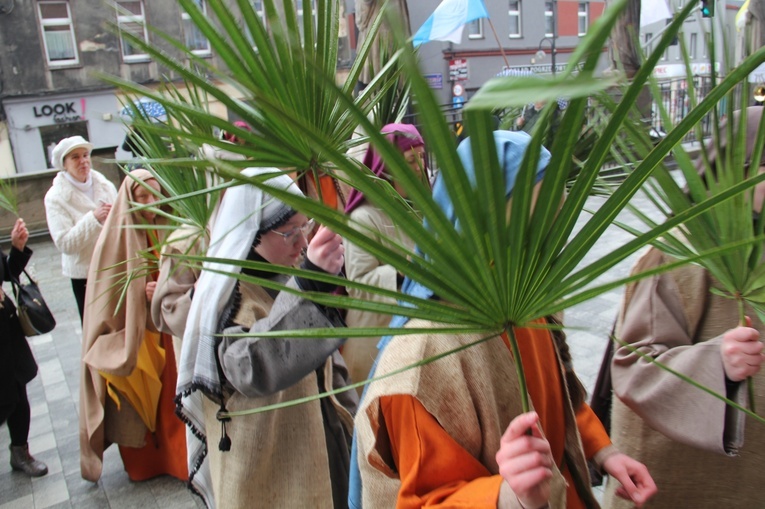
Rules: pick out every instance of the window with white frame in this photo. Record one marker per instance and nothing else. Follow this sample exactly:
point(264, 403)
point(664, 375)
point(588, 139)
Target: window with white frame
point(299, 11)
point(647, 43)
point(549, 20)
point(195, 40)
point(705, 45)
point(257, 6)
point(475, 29)
point(584, 18)
point(58, 33)
point(693, 46)
point(131, 20)
point(514, 15)
point(260, 10)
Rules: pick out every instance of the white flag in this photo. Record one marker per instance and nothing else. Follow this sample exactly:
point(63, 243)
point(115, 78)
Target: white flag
point(652, 11)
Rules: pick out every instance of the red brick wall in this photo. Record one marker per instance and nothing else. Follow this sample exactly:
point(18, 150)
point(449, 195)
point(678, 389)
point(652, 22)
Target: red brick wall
point(568, 20)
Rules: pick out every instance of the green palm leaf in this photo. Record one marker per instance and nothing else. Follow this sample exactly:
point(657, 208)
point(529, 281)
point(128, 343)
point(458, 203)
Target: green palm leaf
point(8, 196)
point(490, 274)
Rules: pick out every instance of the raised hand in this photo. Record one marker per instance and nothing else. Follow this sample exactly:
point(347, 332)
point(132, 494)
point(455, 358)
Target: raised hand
point(326, 251)
point(742, 352)
point(151, 286)
point(525, 461)
point(102, 211)
point(19, 235)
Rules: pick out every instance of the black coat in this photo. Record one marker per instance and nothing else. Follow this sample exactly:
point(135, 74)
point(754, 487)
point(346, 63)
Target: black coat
point(17, 364)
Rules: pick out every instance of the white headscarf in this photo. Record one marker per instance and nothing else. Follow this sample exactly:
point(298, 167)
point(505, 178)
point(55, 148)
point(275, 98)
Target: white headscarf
point(244, 210)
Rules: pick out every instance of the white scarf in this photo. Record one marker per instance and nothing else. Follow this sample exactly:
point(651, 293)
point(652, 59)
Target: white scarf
point(242, 212)
point(84, 187)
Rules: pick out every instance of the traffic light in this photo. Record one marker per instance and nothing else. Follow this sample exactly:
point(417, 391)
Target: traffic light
point(707, 8)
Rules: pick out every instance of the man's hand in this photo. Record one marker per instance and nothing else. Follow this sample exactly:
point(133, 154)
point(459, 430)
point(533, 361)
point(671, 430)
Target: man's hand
point(741, 351)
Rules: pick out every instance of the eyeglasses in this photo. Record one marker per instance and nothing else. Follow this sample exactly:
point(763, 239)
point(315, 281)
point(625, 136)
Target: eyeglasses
point(291, 236)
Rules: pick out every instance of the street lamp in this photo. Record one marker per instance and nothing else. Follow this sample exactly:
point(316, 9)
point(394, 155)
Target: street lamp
point(540, 54)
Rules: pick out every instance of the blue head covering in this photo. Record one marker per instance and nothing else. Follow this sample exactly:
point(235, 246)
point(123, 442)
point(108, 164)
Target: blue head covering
point(511, 146)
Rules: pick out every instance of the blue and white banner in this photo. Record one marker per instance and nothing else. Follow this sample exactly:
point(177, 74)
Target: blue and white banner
point(448, 20)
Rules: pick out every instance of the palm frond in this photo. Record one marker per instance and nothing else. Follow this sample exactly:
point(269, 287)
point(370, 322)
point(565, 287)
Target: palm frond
point(490, 272)
point(9, 196)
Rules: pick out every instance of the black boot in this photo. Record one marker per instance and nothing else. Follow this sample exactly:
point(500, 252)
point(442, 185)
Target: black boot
point(23, 461)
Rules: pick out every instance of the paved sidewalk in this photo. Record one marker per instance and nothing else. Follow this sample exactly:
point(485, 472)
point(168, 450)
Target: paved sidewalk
point(54, 439)
point(54, 396)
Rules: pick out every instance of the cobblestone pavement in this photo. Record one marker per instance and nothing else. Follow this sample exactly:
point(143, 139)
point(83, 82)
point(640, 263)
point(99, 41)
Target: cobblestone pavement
point(54, 396)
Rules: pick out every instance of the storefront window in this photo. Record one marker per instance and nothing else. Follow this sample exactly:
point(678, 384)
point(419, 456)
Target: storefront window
point(195, 40)
point(131, 20)
point(58, 33)
point(52, 134)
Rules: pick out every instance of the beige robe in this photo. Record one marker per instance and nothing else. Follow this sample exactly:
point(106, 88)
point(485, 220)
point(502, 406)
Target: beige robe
point(112, 332)
point(360, 266)
point(682, 434)
point(473, 394)
point(278, 458)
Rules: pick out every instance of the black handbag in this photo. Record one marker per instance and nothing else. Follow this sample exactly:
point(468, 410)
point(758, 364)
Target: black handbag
point(33, 312)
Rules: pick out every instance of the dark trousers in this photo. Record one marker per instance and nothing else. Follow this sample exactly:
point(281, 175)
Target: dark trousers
point(17, 415)
point(78, 287)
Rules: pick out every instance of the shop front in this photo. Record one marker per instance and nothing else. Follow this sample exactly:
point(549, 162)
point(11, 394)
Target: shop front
point(36, 124)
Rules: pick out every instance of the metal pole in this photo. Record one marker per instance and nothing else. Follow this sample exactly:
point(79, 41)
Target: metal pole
point(501, 49)
point(554, 33)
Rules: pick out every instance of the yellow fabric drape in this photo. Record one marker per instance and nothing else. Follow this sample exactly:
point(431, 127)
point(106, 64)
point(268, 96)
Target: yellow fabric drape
point(143, 386)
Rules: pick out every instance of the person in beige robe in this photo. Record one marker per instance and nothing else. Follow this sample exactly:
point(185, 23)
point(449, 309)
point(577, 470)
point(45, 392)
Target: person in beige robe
point(291, 457)
point(363, 267)
point(701, 452)
point(128, 369)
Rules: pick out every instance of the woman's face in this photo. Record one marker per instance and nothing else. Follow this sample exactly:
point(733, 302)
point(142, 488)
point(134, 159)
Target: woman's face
point(284, 249)
point(77, 164)
point(415, 157)
point(145, 197)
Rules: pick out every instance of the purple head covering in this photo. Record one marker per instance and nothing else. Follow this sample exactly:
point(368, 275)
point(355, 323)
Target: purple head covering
point(405, 137)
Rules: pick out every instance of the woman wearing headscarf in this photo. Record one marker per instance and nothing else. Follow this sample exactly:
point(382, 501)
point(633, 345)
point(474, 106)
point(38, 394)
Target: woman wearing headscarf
point(361, 266)
point(76, 207)
point(295, 456)
point(17, 363)
point(451, 433)
point(693, 443)
point(128, 376)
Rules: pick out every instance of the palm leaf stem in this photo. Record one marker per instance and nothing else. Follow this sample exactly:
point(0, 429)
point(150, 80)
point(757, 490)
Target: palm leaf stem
point(308, 399)
point(510, 335)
